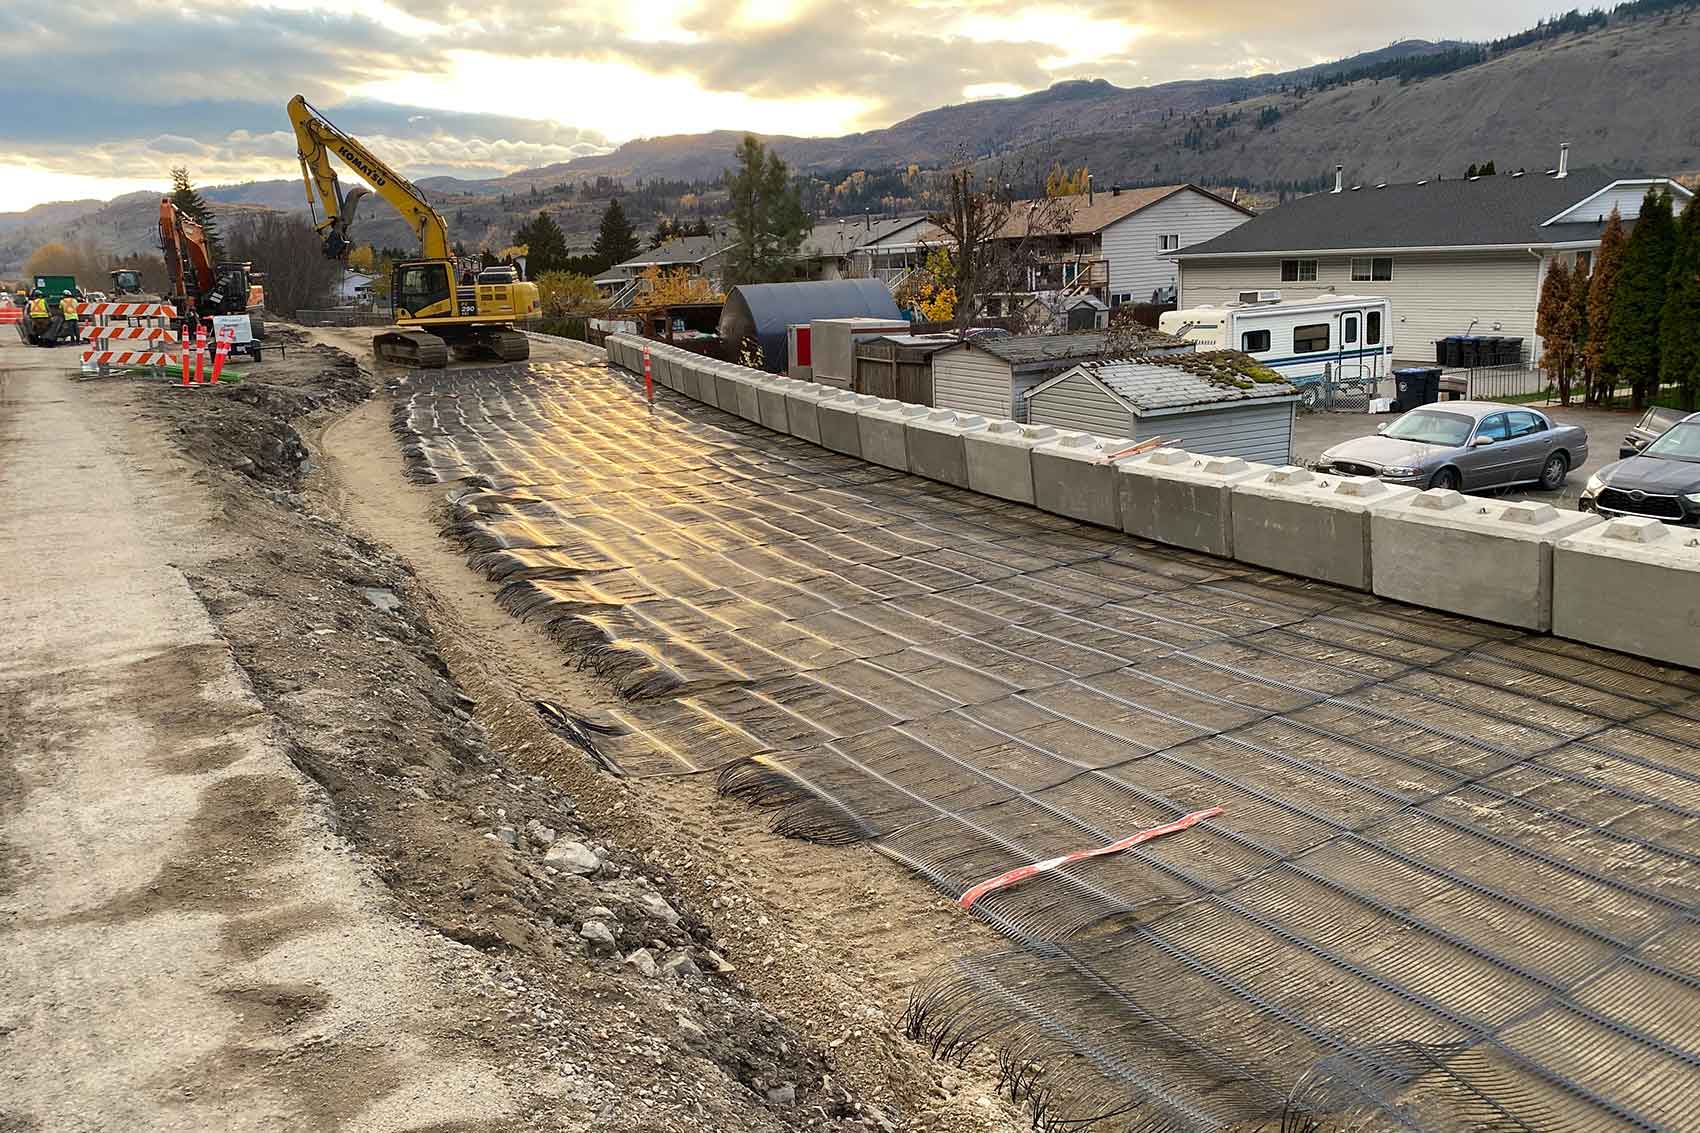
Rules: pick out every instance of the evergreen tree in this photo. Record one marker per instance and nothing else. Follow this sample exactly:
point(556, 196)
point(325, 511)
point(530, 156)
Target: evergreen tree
point(545, 245)
point(616, 241)
point(1602, 289)
point(184, 196)
point(1486, 170)
point(1632, 335)
point(1580, 285)
point(1470, 172)
point(767, 216)
point(1553, 322)
point(1679, 321)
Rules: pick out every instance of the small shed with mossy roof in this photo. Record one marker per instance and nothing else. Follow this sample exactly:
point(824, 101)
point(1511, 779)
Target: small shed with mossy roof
point(1219, 403)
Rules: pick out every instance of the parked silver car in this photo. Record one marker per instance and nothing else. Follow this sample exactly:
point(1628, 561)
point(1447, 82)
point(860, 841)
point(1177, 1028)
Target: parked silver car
point(1465, 445)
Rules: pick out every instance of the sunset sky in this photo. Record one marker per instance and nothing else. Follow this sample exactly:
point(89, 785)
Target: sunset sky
point(102, 97)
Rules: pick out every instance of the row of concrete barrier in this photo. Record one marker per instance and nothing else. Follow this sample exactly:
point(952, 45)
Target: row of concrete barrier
point(1628, 584)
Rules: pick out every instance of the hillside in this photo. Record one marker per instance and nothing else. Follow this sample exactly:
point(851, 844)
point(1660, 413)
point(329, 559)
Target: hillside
point(1622, 94)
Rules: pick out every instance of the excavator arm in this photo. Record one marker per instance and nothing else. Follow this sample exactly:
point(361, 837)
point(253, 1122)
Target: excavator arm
point(315, 140)
point(188, 260)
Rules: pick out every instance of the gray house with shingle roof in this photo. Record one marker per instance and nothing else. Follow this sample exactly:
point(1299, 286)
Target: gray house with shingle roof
point(1462, 256)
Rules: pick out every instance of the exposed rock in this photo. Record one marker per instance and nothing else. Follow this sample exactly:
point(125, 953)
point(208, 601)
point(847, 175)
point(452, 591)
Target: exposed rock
point(680, 966)
point(689, 1035)
point(572, 857)
point(656, 908)
point(644, 961)
point(783, 1094)
point(540, 835)
point(596, 934)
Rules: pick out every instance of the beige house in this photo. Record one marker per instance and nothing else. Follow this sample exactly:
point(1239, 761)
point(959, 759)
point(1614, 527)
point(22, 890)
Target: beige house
point(1464, 256)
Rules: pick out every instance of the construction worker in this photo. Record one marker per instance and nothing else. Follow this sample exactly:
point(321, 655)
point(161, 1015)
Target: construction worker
point(39, 322)
point(68, 304)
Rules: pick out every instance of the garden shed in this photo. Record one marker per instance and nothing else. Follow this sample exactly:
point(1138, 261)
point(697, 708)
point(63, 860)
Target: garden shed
point(900, 366)
point(989, 376)
point(1221, 403)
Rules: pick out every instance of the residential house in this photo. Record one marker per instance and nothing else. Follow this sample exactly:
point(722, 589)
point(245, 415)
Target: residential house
point(1460, 256)
point(1112, 246)
point(696, 255)
point(839, 247)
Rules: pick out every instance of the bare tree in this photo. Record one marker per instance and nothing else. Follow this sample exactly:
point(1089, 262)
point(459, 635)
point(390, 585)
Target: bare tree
point(999, 240)
point(286, 249)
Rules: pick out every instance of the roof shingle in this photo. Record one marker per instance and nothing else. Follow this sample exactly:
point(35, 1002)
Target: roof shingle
point(1500, 210)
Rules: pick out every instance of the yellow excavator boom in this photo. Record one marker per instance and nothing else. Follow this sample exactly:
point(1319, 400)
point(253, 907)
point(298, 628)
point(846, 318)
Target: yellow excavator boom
point(315, 140)
point(436, 307)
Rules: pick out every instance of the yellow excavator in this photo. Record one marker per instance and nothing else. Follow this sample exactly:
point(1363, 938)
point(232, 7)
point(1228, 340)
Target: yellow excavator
point(436, 310)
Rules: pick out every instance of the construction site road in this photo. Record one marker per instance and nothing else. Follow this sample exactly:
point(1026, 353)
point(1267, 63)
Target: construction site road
point(285, 843)
point(186, 943)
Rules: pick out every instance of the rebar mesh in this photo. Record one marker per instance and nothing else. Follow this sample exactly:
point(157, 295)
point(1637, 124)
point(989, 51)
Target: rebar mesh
point(1453, 886)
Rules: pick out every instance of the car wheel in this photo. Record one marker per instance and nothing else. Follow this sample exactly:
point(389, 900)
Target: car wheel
point(1447, 478)
point(1554, 471)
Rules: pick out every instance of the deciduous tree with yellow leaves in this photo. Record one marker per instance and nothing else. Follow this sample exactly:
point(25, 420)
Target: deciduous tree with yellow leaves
point(1059, 182)
point(667, 288)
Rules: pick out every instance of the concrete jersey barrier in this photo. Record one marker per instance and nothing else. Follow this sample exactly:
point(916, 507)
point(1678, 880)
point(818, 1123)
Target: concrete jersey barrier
point(1631, 584)
point(1470, 556)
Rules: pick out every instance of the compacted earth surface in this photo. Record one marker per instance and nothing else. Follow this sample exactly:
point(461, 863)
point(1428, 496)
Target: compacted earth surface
point(288, 841)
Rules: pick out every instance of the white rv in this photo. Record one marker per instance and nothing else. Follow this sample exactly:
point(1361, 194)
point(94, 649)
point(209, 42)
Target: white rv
point(1345, 339)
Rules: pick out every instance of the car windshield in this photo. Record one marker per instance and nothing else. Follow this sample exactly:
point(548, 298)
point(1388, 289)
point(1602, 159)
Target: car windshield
point(1680, 442)
point(1430, 428)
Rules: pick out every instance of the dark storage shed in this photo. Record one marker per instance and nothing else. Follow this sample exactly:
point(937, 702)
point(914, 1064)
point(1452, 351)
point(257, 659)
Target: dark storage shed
point(762, 312)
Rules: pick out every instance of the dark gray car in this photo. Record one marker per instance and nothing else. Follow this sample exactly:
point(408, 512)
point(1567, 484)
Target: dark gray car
point(1465, 445)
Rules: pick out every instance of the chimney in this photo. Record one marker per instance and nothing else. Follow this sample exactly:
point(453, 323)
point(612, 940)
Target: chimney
point(1563, 159)
point(1339, 178)
point(1089, 188)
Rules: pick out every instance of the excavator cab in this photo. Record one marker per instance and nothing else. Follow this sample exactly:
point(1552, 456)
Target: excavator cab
point(423, 290)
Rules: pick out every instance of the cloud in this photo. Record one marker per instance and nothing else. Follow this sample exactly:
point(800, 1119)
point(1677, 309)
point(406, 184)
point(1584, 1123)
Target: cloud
point(117, 89)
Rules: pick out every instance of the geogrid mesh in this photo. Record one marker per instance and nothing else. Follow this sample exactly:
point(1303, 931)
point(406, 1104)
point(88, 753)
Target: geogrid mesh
point(1453, 886)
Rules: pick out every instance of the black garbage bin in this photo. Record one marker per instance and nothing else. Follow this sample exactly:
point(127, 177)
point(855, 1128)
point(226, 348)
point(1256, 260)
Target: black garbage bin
point(1431, 385)
point(1452, 351)
point(1470, 351)
point(1513, 351)
point(1409, 383)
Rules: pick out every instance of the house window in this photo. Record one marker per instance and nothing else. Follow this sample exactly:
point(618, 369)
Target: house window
point(1168, 243)
point(1121, 297)
point(1372, 328)
point(1583, 261)
point(1367, 269)
point(1254, 341)
point(1298, 271)
point(1312, 339)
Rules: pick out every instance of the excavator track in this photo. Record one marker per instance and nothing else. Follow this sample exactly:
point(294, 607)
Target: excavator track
point(507, 344)
point(413, 348)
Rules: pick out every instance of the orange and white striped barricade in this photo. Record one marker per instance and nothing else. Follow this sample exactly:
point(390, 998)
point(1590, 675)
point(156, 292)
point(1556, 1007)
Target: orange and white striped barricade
point(10, 314)
point(126, 334)
point(200, 354)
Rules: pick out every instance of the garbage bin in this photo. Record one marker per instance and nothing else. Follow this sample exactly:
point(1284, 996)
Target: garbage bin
point(1409, 385)
point(1440, 351)
point(1513, 351)
point(1451, 351)
point(1431, 385)
point(1470, 351)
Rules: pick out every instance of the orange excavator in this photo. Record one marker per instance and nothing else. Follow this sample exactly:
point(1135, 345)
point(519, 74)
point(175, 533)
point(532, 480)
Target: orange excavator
point(202, 289)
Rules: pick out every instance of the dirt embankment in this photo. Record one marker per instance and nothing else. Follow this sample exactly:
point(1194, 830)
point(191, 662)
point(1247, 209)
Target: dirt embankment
point(650, 975)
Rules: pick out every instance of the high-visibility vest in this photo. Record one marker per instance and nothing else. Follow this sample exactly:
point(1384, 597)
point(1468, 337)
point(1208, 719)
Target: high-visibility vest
point(68, 308)
point(38, 308)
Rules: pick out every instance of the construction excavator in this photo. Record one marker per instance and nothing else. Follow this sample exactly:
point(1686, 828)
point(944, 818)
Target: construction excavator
point(201, 288)
point(436, 310)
